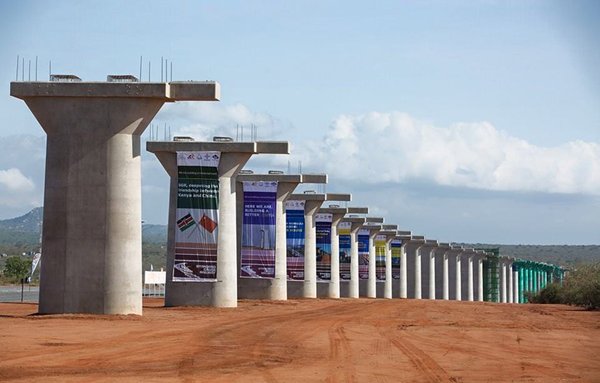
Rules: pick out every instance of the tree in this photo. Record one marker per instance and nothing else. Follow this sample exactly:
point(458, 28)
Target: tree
point(582, 287)
point(17, 268)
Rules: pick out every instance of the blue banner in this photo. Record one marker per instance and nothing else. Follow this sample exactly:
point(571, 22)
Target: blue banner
point(294, 211)
point(258, 230)
point(323, 239)
point(363, 254)
point(344, 237)
point(396, 254)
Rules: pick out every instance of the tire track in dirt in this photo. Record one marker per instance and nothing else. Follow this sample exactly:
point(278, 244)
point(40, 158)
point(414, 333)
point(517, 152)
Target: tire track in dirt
point(340, 354)
point(428, 367)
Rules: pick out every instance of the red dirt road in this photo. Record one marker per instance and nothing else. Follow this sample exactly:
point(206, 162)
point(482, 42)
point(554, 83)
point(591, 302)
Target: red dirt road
point(305, 341)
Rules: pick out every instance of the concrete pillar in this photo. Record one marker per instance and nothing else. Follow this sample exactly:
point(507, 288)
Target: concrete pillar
point(480, 278)
point(458, 284)
point(503, 280)
point(223, 291)
point(445, 277)
point(432, 273)
point(470, 278)
point(403, 272)
point(276, 288)
point(92, 195)
point(516, 285)
point(356, 224)
point(390, 233)
point(387, 290)
point(418, 294)
point(372, 281)
point(510, 282)
point(333, 290)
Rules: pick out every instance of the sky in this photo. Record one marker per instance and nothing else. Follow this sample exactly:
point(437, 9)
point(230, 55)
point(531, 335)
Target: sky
point(464, 121)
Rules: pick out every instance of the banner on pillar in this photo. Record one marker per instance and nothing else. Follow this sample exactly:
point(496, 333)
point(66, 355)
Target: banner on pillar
point(396, 245)
point(196, 217)
point(323, 239)
point(258, 229)
point(294, 211)
point(363, 254)
point(345, 245)
point(380, 246)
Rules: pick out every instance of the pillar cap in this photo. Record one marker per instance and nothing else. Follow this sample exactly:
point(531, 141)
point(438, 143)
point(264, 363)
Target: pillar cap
point(333, 210)
point(307, 197)
point(374, 219)
point(389, 227)
point(354, 219)
point(338, 197)
point(314, 178)
point(358, 210)
point(287, 178)
point(169, 92)
point(404, 233)
point(266, 147)
point(369, 226)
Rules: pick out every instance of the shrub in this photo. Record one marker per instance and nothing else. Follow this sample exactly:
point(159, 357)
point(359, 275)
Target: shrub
point(582, 287)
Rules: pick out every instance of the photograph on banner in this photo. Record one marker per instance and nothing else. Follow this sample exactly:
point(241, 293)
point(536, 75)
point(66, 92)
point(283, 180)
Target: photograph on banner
point(396, 254)
point(197, 217)
point(380, 257)
point(363, 254)
point(258, 229)
point(344, 238)
point(294, 227)
point(323, 239)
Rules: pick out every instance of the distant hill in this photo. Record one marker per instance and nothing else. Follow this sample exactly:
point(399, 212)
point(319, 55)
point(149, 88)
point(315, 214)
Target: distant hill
point(26, 229)
point(22, 234)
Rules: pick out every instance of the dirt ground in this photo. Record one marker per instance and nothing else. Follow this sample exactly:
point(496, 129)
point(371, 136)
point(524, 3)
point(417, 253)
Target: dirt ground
point(305, 341)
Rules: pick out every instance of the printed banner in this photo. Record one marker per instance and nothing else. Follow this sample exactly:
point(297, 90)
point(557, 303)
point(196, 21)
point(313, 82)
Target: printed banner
point(197, 217)
point(344, 237)
point(323, 227)
point(34, 262)
point(396, 254)
point(258, 230)
point(380, 257)
point(363, 254)
point(294, 211)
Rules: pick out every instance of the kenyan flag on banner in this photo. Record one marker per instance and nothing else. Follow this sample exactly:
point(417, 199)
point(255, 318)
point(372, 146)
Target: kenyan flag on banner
point(186, 222)
point(197, 217)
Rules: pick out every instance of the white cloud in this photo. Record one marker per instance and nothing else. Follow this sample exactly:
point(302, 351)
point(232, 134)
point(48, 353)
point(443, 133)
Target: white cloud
point(203, 120)
point(395, 147)
point(13, 180)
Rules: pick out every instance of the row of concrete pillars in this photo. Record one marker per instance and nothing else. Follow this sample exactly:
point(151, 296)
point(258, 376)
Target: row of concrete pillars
point(91, 241)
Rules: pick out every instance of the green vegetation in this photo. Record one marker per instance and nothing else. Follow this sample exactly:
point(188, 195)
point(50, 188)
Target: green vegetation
point(580, 288)
point(16, 269)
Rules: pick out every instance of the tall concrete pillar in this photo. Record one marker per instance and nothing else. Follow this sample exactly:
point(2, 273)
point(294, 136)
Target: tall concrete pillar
point(276, 288)
point(510, 288)
point(337, 213)
point(458, 286)
point(324, 282)
point(356, 223)
point(312, 203)
point(405, 237)
point(373, 225)
point(445, 279)
point(480, 276)
point(92, 195)
point(428, 249)
point(503, 279)
point(390, 233)
point(470, 287)
point(515, 284)
point(413, 263)
point(223, 291)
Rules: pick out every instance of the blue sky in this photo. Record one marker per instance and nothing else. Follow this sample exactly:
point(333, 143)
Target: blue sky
point(463, 120)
